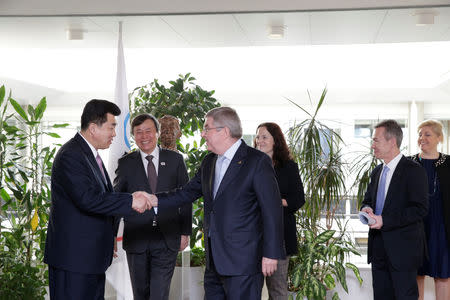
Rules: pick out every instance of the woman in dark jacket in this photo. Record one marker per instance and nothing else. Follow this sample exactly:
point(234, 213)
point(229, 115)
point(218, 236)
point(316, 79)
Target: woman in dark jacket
point(270, 140)
point(437, 222)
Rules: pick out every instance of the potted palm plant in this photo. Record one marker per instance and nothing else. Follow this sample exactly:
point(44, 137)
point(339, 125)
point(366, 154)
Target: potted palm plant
point(323, 248)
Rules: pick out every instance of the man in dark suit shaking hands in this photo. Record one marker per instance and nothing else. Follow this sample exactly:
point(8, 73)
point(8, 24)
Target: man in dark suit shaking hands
point(242, 210)
point(152, 240)
point(80, 234)
point(397, 199)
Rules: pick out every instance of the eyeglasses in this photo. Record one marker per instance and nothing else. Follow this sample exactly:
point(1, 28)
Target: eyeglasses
point(208, 129)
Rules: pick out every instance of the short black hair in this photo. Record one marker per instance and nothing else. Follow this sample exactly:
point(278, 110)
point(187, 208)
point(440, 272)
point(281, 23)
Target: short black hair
point(95, 112)
point(138, 120)
point(391, 130)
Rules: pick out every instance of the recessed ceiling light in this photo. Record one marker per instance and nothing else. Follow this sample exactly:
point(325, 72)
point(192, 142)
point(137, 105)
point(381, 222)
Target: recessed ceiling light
point(425, 17)
point(275, 32)
point(75, 34)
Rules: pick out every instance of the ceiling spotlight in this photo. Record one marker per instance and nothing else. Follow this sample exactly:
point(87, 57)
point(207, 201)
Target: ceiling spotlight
point(75, 34)
point(275, 32)
point(425, 17)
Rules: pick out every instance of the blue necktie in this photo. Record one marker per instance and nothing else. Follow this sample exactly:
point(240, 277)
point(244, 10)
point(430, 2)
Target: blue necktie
point(381, 192)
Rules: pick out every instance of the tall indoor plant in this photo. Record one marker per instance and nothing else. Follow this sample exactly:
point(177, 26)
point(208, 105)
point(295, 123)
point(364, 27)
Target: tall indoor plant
point(187, 101)
point(25, 197)
point(323, 251)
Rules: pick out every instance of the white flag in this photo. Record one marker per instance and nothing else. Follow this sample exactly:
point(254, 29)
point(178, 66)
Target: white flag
point(117, 274)
point(121, 143)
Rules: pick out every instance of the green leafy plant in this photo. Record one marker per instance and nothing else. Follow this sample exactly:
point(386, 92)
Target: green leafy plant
point(197, 255)
point(25, 197)
point(363, 165)
point(20, 279)
point(182, 99)
point(321, 262)
point(189, 103)
point(316, 148)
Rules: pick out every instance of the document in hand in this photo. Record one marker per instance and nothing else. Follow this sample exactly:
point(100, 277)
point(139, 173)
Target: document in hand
point(365, 219)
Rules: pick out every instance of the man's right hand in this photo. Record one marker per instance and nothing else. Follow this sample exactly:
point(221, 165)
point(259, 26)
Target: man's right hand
point(153, 201)
point(367, 209)
point(141, 201)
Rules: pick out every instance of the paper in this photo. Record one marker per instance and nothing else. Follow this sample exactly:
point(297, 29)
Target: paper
point(365, 219)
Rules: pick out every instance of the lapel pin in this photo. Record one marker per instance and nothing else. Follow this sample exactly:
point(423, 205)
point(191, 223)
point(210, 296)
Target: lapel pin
point(163, 163)
point(239, 162)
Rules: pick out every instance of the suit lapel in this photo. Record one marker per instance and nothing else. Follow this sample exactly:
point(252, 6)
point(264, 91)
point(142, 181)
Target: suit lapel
point(376, 178)
point(93, 162)
point(210, 170)
point(233, 168)
point(395, 181)
point(141, 172)
point(161, 167)
point(108, 180)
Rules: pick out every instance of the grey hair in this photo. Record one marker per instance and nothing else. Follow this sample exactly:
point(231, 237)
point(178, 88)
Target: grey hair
point(392, 129)
point(226, 117)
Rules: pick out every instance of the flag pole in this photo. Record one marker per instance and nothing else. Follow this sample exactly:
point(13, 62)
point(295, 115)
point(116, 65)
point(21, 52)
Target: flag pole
point(117, 274)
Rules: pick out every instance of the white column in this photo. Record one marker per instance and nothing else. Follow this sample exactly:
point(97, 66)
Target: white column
point(446, 144)
point(415, 116)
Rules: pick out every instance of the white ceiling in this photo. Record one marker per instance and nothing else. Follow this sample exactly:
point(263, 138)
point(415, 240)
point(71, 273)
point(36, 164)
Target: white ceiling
point(39, 41)
point(164, 7)
point(227, 30)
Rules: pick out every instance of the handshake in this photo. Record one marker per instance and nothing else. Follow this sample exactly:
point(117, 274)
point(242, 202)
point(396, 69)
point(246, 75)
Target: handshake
point(143, 201)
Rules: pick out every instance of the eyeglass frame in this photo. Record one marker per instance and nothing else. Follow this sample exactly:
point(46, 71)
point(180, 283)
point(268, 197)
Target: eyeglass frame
point(207, 129)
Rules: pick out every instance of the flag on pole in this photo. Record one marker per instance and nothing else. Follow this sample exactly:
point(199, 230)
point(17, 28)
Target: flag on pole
point(117, 274)
point(121, 143)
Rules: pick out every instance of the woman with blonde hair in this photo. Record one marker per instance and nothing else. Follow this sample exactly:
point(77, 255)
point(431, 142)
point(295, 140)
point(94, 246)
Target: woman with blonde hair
point(437, 222)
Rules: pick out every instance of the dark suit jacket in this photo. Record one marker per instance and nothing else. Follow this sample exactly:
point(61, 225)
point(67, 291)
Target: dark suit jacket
point(245, 220)
point(291, 189)
point(81, 230)
point(405, 206)
point(443, 174)
point(131, 176)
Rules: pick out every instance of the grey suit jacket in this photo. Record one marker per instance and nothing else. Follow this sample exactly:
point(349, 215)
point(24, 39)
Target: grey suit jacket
point(131, 176)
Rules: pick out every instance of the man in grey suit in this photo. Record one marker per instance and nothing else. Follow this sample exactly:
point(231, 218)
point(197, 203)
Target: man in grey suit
point(152, 240)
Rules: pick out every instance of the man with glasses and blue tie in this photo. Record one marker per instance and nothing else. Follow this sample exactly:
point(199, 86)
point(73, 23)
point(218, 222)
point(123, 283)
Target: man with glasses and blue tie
point(242, 210)
point(397, 200)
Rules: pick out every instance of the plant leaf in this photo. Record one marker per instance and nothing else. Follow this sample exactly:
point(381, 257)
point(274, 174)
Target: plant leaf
point(335, 296)
point(2, 94)
point(19, 109)
point(34, 221)
point(325, 236)
point(329, 281)
point(40, 108)
point(355, 271)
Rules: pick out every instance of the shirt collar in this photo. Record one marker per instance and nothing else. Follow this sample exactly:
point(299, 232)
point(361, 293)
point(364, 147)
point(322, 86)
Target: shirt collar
point(155, 154)
point(94, 151)
point(394, 162)
point(229, 154)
